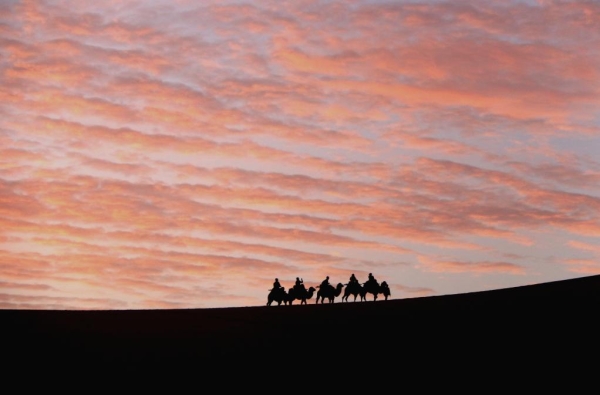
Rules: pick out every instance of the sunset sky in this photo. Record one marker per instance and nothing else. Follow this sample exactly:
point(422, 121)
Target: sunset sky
point(183, 154)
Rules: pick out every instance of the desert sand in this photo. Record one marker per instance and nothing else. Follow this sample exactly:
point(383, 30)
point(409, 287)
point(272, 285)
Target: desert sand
point(513, 329)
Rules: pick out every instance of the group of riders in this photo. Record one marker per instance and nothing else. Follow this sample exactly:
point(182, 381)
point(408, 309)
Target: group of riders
point(352, 283)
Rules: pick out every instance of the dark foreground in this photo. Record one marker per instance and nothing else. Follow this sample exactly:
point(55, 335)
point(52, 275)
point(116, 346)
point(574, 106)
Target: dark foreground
point(514, 330)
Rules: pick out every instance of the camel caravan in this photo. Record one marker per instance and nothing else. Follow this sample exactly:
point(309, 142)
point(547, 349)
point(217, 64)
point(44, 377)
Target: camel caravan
point(327, 292)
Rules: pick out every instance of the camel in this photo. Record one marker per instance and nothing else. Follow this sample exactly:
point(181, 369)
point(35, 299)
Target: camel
point(372, 288)
point(355, 290)
point(375, 289)
point(279, 296)
point(301, 294)
point(329, 292)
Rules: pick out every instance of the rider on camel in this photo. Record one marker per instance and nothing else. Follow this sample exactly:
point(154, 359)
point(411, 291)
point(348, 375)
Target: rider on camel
point(299, 284)
point(353, 282)
point(371, 281)
point(325, 283)
point(276, 285)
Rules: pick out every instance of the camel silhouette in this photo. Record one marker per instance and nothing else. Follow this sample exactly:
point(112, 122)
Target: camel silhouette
point(301, 294)
point(279, 296)
point(329, 292)
point(375, 288)
point(354, 290)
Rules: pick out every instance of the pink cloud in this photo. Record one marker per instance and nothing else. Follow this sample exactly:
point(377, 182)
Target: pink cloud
point(441, 69)
point(584, 246)
point(164, 156)
point(588, 267)
point(481, 267)
point(411, 292)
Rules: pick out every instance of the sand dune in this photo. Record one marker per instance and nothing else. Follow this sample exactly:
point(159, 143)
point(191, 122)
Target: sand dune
point(524, 325)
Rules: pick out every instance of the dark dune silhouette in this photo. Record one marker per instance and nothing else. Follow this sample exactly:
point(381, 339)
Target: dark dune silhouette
point(531, 325)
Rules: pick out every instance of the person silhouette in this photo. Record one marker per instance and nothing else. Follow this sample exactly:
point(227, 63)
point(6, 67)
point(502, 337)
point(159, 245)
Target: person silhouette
point(299, 283)
point(325, 283)
point(352, 280)
point(276, 285)
point(371, 283)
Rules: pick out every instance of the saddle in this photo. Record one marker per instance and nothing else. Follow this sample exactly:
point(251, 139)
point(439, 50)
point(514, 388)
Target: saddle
point(371, 284)
point(300, 287)
point(277, 291)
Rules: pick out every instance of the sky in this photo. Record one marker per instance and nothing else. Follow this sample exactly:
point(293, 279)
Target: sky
point(183, 154)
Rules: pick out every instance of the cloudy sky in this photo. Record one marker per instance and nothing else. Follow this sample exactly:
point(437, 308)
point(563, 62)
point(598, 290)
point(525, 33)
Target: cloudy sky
point(183, 154)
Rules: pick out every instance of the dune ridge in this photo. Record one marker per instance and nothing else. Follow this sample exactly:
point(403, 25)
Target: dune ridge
point(529, 320)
